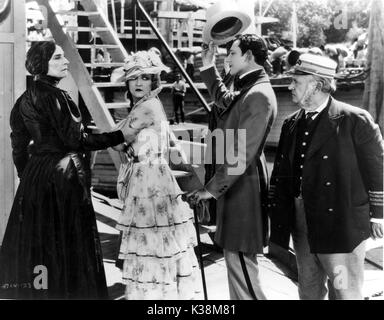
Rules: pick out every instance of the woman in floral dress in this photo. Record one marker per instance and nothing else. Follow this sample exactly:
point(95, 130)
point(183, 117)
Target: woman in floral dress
point(158, 235)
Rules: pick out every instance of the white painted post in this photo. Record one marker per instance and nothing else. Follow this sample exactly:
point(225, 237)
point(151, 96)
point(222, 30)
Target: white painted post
point(155, 21)
point(190, 26)
point(294, 25)
point(12, 85)
point(122, 16)
point(249, 7)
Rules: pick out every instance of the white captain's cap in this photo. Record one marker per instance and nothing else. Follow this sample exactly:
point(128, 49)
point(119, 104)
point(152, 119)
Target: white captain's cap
point(225, 20)
point(314, 64)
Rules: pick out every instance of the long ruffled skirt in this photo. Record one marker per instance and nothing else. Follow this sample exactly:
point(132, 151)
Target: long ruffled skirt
point(52, 225)
point(158, 237)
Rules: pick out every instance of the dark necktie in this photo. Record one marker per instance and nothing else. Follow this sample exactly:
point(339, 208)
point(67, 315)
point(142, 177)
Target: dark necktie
point(308, 117)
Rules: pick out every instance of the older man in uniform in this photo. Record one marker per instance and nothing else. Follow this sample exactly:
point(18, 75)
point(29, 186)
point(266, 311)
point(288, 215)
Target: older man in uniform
point(327, 184)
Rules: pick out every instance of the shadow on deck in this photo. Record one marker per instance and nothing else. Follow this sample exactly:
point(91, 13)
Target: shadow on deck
point(279, 282)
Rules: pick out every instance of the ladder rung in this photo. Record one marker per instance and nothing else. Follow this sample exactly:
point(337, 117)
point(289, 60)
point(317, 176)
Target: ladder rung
point(104, 64)
point(77, 13)
point(148, 29)
point(86, 29)
point(181, 174)
point(198, 85)
point(109, 84)
point(104, 46)
point(117, 105)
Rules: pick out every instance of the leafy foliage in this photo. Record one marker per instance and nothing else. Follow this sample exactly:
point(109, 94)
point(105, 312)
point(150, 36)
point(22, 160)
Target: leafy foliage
point(320, 21)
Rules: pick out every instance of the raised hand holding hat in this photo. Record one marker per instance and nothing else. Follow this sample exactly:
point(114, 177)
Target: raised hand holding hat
point(225, 20)
point(208, 54)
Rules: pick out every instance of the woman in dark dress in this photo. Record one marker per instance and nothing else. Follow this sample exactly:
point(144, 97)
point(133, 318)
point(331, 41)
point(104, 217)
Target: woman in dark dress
point(51, 247)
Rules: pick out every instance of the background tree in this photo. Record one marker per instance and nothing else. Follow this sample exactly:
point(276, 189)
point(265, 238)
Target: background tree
point(357, 14)
point(320, 21)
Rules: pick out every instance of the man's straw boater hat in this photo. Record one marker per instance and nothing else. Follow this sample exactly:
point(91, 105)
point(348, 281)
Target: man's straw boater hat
point(314, 64)
point(225, 20)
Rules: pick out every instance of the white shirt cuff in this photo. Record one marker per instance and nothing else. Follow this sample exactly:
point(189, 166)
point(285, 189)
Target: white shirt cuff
point(376, 220)
point(203, 68)
point(210, 193)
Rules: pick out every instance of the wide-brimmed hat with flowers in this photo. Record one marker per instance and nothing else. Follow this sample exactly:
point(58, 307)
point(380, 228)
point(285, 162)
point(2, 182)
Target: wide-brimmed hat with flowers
point(141, 62)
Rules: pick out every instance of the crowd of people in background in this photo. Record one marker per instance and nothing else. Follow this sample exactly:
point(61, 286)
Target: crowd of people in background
point(353, 55)
point(282, 56)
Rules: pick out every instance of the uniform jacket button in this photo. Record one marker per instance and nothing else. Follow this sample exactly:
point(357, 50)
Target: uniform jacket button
point(328, 183)
point(325, 157)
point(330, 210)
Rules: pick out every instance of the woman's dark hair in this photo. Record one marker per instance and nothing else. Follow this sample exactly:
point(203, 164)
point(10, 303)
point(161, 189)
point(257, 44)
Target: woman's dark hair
point(156, 82)
point(256, 44)
point(38, 57)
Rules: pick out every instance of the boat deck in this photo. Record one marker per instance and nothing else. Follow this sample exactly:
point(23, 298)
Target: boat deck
point(279, 282)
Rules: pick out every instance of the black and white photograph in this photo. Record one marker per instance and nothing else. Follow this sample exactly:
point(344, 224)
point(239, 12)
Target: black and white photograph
point(191, 154)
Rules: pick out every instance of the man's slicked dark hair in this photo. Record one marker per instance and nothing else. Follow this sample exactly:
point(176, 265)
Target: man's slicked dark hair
point(257, 46)
point(228, 46)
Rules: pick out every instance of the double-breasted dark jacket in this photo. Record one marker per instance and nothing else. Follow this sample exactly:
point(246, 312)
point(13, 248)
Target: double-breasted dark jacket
point(342, 180)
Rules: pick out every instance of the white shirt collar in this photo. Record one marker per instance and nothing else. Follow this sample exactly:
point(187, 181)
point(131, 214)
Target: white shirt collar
point(320, 108)
point(248, 72)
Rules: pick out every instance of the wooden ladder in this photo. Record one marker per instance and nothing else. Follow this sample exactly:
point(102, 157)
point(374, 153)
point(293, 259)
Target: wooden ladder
point(90, 90)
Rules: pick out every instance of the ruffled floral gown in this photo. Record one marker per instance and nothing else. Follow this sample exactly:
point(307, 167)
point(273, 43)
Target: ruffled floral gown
point(158, 235)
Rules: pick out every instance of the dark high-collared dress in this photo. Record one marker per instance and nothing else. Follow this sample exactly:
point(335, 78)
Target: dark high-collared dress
point(51, 248)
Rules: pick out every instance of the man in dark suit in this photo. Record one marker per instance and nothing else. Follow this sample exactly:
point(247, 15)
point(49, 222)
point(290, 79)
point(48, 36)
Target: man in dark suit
point(242, 128)
point(327, 184)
